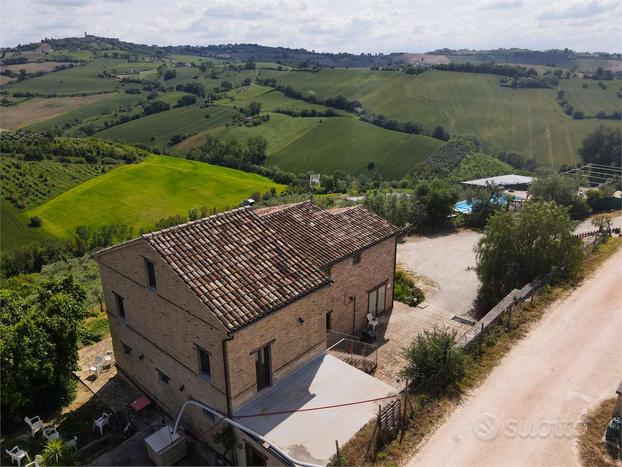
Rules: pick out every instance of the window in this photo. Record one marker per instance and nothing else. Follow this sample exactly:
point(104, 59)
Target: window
point(127, 350)
point(204, 364)
point(162, 377)
point(376, 300)
point(151, 276)
point(120, 304)
point(329, 320)
point(263, 370)
point(356, 259)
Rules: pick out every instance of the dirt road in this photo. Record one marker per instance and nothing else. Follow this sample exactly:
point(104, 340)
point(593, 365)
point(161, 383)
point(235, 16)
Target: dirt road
point(528, 410)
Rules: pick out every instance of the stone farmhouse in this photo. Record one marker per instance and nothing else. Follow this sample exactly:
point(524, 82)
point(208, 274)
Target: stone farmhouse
point(233, 310)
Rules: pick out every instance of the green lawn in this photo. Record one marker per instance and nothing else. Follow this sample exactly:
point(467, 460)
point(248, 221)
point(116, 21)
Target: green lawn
point(269, 99)
point(341, 143)
point(592, 99)
point(79, 79)
point(161, 126)
point(140, 194)
point(14, 230)
point(526, 120)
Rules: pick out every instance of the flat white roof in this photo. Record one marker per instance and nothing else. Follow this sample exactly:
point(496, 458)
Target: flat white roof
point(162, 438)
point(310, 436)
point(502, 180)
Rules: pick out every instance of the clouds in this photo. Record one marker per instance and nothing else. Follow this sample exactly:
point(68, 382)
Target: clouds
point(577, 9)
point(324, 25)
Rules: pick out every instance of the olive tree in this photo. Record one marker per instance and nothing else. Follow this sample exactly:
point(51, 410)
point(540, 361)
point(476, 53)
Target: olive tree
point(520, 246)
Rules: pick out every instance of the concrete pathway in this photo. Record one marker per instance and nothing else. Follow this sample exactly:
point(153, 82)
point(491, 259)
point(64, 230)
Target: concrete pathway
point(529, 409)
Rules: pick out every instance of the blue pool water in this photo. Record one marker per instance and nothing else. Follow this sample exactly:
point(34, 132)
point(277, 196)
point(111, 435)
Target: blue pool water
point(466, 206)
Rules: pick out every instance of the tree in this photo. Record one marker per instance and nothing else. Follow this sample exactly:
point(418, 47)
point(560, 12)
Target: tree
point(563, 190)
point(226, 85)
point(250, 65)
point(437, 198)
point(39, 347)
point(187, 99)
point(253, 109)
point(168, 74)
point(433, 357)
point(602, 146)
point(521, 246)
point(256, 148)
point(440, 133)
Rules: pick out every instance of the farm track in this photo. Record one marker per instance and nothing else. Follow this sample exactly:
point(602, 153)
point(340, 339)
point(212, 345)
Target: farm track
point(550, 145)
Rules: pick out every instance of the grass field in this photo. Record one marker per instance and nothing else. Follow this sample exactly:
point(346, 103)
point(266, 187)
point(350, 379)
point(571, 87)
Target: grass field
point(157, 129)
point(140, 194)
point(269, 99)
point(341, 143)
point(280, 131)
point(526, 120)
point(41, 109)
point(14, 230)
point(79, 79)
point(83, 114)
point(592, 99)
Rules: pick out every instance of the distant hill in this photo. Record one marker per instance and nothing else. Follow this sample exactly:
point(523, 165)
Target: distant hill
point(566, 58)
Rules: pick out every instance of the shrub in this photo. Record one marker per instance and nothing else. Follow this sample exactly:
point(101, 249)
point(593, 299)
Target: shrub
point(56, 453)
point(434, 357)
point(35, 221)
point(406, 291)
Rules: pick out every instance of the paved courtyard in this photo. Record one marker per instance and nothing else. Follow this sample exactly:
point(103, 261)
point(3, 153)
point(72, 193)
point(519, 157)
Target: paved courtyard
point(114, 392)
point(444, 266)
point(397, 328)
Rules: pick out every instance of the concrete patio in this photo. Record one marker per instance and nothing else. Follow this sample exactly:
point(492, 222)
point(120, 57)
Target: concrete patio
point(397, 329)
point(114, 392)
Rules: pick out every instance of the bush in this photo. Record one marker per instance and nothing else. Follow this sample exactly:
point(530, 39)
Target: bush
point(406, 291)
point(35, 221)
point(434, 357)
point(56, 453)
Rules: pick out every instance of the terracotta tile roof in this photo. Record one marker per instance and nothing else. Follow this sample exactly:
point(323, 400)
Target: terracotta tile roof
point(237, 265)
point(327, 236)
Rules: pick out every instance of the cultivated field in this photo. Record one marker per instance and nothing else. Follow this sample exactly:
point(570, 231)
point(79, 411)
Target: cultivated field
point(157, 129)
point(340, 143)
point(14, 230)
point(592, 99)
point(102, 105)
point(35, 67)
point(526, 120)
point(79, 79)
point(41, 109)
point(140, 194)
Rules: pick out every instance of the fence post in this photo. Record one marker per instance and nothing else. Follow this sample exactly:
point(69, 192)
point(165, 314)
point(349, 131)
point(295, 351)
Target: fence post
point(338, 453)
point(380, 430)
point(479, 340)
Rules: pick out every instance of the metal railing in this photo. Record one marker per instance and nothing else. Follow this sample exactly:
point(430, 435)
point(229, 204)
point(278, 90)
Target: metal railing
point(350, 349)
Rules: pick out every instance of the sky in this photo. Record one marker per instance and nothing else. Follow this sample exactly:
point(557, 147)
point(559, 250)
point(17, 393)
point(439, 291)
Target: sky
point(325, 25)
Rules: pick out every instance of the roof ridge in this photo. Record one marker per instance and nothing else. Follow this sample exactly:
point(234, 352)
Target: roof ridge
point(196, 221)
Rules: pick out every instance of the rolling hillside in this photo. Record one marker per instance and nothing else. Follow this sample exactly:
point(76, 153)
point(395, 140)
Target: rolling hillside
point(140, 194)
point(341, 143)
point(525, 120)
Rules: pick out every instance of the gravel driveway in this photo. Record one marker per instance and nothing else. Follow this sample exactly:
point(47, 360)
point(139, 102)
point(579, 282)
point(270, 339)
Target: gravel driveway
point(528, 411)
point(443, 264)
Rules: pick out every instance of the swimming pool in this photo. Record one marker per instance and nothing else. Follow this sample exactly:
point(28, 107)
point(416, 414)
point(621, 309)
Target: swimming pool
point(466, 206)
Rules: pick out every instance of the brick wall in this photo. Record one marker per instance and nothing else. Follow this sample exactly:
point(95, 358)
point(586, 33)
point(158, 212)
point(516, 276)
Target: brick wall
point(377, 266)
point(292, 343)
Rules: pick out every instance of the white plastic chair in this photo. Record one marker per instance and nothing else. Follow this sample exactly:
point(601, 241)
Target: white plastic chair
point(108, 359)
point(72, 444)
point(96, 366)
point(38, 462)
point(35, 423)
point(101, 422)
point(51, 433)
point(372, 321)
point(17, 454)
